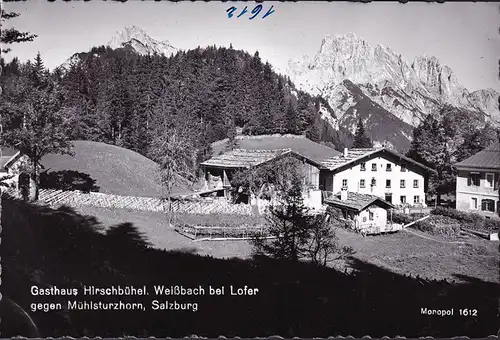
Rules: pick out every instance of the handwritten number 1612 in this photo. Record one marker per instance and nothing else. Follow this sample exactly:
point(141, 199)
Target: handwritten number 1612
point(255, 11)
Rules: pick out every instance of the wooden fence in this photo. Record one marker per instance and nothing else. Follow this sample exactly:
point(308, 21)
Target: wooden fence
point(76, 199)
point(205, 233)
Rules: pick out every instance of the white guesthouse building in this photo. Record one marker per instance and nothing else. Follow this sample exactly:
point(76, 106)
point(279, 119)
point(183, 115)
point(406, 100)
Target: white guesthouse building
point(380, 172)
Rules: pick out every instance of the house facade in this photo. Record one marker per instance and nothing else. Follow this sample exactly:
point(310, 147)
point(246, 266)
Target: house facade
point(478, 179)
point(365, 213)
point(218, 172)
point(12, 164)
point(254, 151)
point(377, 171)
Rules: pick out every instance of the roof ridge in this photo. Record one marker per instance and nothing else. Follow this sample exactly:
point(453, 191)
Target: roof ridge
point(287, 135)
point(261, 150)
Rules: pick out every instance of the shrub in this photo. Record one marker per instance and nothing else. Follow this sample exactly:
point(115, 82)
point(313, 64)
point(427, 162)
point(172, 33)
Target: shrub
point(492, 225)
point(416, 216)
point(401, 218)
point(424, 225)
point(469, 220)
point(453, 213)
point(437, 228)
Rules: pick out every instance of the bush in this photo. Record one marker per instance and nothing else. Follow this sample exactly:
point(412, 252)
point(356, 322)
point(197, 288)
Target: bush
point(453, 213)
point(435, 227)
point(424, 225)
point(401, 218)
point(416, 216)
point(469, 220)
point(492, 225)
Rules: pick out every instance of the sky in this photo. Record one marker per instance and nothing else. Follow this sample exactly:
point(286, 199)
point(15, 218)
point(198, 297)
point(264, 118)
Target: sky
point(463, 36)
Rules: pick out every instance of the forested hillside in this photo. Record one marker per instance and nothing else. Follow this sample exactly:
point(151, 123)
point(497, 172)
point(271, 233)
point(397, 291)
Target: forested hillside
point(123, 98)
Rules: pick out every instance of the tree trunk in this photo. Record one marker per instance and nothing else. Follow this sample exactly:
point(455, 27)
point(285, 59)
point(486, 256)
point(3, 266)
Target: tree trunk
point(33, 186)
point(169, 198)
point(170, 217)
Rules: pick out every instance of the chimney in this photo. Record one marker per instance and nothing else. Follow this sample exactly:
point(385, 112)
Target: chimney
point(343, 194)
point(345, 152)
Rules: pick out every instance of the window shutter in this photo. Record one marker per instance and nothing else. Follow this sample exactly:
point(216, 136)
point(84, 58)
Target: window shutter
point(469, 181)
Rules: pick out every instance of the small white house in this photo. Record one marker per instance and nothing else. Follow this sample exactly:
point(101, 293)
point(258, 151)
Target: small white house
point(478, 182)
point(368, 214)
point(12, 164)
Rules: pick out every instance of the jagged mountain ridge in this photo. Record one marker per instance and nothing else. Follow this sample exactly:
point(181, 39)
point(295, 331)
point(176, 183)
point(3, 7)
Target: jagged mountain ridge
point(137, 39)
point(407, 91)
point(131, 38)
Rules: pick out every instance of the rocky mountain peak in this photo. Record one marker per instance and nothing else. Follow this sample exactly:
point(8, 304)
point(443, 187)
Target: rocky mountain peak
point(378, 79)
point(137, 39)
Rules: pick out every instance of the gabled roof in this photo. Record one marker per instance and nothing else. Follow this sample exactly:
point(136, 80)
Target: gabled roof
point(356, 201)
point(242, 158)
point(296, 143)
point(358, 154)
point(487, 158)
point(8, 156)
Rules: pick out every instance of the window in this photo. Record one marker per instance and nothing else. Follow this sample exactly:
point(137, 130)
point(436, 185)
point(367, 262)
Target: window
point(361, 183)
point(403, 168)
point(374, 166)
point(388, 197)
point(370, 216)
point(473, 179)
point(490, 178)
point(388, 167)
point(344, 183)
point(387, 183)
point(488, 205)
point(473, 203)
point(403, 199)
point(363, 166)
point(364, 218)
point(402, 183)
point(416, 199)
point(374, 182)
point(415, 183)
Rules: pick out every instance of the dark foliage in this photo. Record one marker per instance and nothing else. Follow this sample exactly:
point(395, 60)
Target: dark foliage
point(12, 35)
point(119, 97)
point(469, 220)
point(448, 137)
point(47, 247)
point(360, 138)
point(68, 180)
point(34, 117)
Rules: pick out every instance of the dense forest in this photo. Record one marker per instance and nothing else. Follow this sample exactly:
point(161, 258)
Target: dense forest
point(122, 98)
point(202, 95)
point(446, 138)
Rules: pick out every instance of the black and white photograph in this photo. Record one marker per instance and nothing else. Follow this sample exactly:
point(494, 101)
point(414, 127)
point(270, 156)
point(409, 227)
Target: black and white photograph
point(249, 169)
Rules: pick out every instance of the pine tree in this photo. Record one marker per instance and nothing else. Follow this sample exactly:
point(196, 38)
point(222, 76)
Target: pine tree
point(360, 138)
point(232, 142)
point(38, 126)
point(11, 35)
point(289, 221)
point(39, 74)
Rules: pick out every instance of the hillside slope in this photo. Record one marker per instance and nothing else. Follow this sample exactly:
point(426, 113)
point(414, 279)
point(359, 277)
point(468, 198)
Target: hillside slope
point(115, 170)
